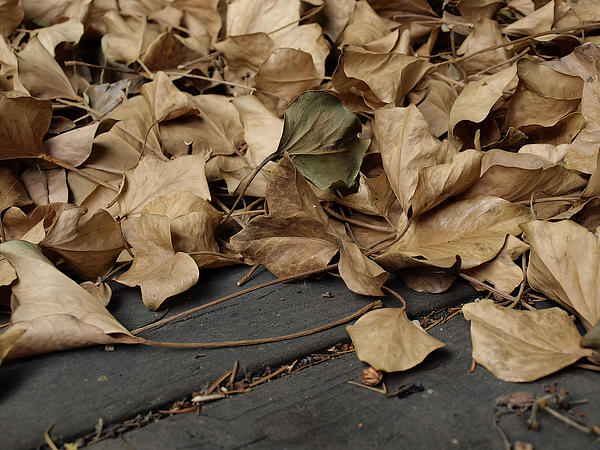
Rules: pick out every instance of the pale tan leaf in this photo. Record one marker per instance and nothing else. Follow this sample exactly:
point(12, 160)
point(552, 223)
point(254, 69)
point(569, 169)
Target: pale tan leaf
point(262, 129)
point(522, 346)
point(515, 176)
point(46, 186)
point(390, 76)
point(267, 16)
point(308, 38)
point(89, 247)
point(564, 264)
point(246, 53)
point(102, 291)
point(153, 177)
point(360, 274)
point(68, 31)
point(8, 339)
point(220, 129)
point(25, 121)
point(11, 15)
point(12, 191)
point(387, 340)
point(49, 12)
point(486, 33)
point(437, 183)
point(56, 313)
point(402, 136)
point(502, 272)
point(72, 147)
point(286, 73)
point(157, 268)
point(40, 73)
point(476, 101)
point(474, 230)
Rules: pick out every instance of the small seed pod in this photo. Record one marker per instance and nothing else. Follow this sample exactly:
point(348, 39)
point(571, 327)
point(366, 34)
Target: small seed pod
point(371, 377)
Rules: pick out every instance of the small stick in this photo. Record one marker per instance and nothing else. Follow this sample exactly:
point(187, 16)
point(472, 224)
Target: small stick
point(566, 419)
point(486, 286)
point(214, 80)
point(473, 365)
point(48, 439)
point(360, 312)
point(217, 382)
point(519, 297)
point(68, 166)
point(332, 213)
point(379, 391)
point(251, 178)
point(230, 296)
point(268, 377)
point(236, 364)
point(507, 444)
point(518, 41)
point(179, 411)
point(248, 275)
point(395, 294)
point(227, 211)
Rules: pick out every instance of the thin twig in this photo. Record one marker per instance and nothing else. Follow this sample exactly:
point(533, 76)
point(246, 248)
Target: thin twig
point(234, 295)
point(332, 213)
point(236, 365)
point(68, 166)
point(518, 41)
point(565, 419)
point(507, 444)
point(395, 294)
point(248, 275)
point(304, 17)
point(48, 439)
point(486, 286)
point(371, 388)
point(217, 382)
point(355, 315)
point(268, 377)
point(214, 80)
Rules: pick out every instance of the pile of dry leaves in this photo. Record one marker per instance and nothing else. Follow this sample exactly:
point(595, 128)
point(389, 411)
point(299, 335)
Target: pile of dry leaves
point(378, 136)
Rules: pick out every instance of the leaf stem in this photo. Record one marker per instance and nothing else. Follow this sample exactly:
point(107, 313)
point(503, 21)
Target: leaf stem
point(343, 320)
point(234, 295)
point(65, 165)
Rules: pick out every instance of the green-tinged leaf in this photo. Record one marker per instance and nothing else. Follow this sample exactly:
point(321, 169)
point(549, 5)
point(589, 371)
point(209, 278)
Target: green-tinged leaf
point(321, 137)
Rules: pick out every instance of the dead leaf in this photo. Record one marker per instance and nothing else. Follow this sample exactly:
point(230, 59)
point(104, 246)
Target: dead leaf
point(522, 346)
point(321, 137)
point(41, 75)
point(474, 230)
point(564, 265)
point(12, 191)
point(389, 76)
point(387, 340)
point(502, 272)
point(152, 178)
point(11, 15)
point(25, 121)
point(8, 339)
point(515, 176)
point(157, 268)
point(90, 247)
point(293, 238)
point(54, 311)
point(360, 274)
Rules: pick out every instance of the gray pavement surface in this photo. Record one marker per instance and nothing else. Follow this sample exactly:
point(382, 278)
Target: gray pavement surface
point(317, 408)
point(73, 389)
